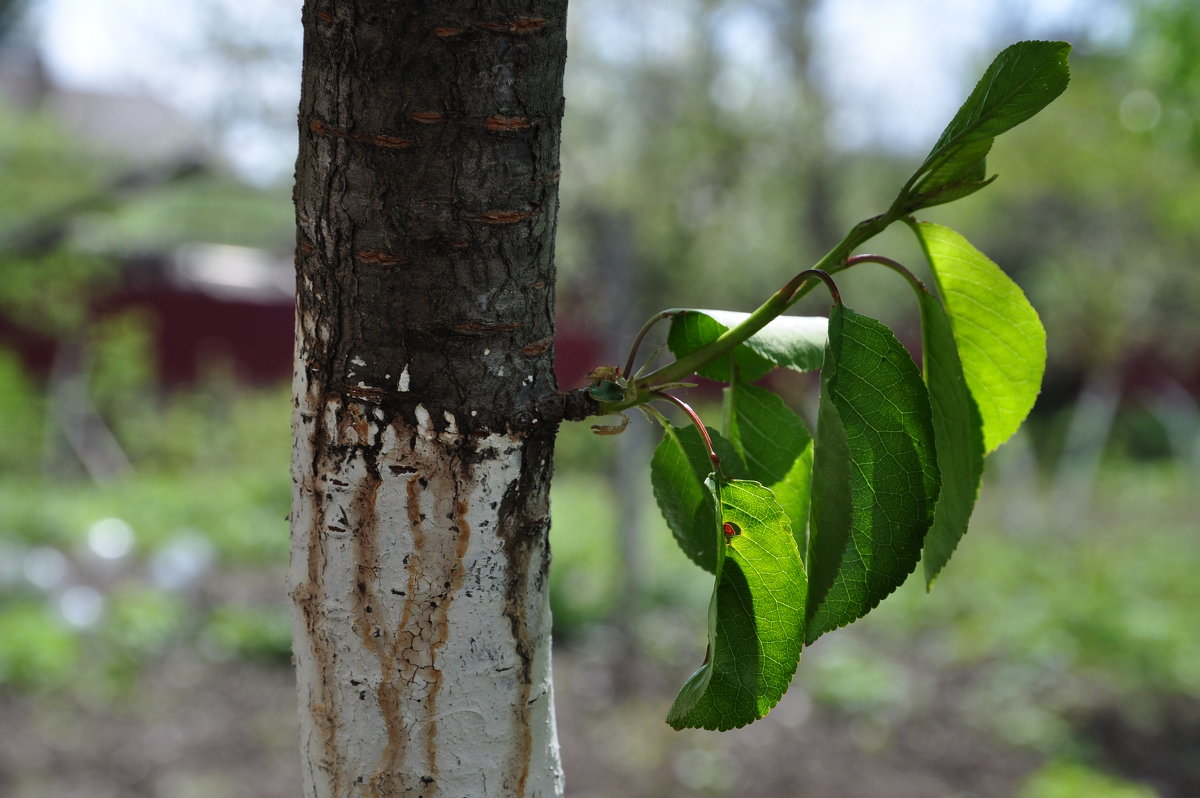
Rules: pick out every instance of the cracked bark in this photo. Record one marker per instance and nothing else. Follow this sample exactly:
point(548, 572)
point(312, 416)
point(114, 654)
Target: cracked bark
point(424, 397)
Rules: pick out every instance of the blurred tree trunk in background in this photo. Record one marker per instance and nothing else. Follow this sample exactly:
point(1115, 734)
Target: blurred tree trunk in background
point(425, 401)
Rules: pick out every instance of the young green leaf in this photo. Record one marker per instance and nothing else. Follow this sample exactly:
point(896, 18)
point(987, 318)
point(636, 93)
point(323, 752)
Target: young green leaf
point(1022, 80)
point(958, 433)
point(1001, 341)
point(755, 616)
point(794, 342)
point(968, 165)
point(960, 173)
point(677, 473)
point(775, 446)
point(884, 451)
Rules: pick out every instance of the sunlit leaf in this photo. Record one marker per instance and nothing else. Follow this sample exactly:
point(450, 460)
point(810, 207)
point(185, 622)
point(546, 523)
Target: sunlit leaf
point(755, 616)
point(794, 342)
point(1021, 80)
point(776, 448)
point(1001, 341)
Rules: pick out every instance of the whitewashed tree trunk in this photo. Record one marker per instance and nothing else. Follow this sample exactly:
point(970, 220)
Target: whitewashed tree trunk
point(425, 403)
point(422, 626)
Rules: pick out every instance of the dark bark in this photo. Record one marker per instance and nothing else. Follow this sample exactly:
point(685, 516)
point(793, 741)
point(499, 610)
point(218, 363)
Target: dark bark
point(427, 193)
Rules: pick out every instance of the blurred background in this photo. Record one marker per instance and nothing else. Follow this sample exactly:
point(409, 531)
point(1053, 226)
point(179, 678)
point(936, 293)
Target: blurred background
point(710, 152)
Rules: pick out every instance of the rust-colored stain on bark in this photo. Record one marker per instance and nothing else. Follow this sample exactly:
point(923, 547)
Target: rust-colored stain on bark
point(458, 575)
point(394, 675)
point(506, 123)
point(355, 419)
point(517, 25)
point(309, 597)
point(325, 17)
point(368, 604)
point(536, 348)
point(523, 527)
point(520, 622)
point(427, 117)
point(505, 217)
point(411, 675)
point(380, 257)
point(447, 31)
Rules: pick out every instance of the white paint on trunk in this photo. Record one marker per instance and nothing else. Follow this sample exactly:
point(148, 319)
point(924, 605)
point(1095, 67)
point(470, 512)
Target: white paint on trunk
point(422, 645)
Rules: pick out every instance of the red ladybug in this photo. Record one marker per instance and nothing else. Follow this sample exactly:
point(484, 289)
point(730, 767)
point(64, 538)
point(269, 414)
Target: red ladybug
point(730, 529)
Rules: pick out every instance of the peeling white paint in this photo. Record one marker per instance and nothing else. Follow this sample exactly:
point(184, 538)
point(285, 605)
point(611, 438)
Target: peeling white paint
point(451, 424)
point(402, 386)
point(424, 421)
point(358, 361)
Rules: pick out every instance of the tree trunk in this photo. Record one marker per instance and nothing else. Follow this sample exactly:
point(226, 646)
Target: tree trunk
point(425, 403)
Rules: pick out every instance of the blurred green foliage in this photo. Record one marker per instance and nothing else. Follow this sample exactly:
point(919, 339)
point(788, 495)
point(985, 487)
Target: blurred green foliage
point(1064, 779)
point(37, 649)
point(205, 502)
point(22, 408)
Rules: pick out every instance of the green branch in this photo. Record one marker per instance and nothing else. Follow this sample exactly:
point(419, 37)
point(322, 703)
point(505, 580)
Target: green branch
point(642, 389)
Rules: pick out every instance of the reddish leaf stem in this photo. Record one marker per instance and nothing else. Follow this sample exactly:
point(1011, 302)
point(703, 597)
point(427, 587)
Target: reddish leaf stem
point(798, 281)
point(891, 264)
point(686, 408)
point(637, 342)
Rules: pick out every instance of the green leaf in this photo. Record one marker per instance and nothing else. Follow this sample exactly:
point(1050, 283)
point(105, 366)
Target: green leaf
point(960, 173)
point(1001, 341)
point(883, 463)
point(677, 473)
point(755, 616)
point(1022, 80)
point(794, 342)
point(967, 164)
point(949, 193)
point(831, 505)
point(958, 433)
point(776, 447)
